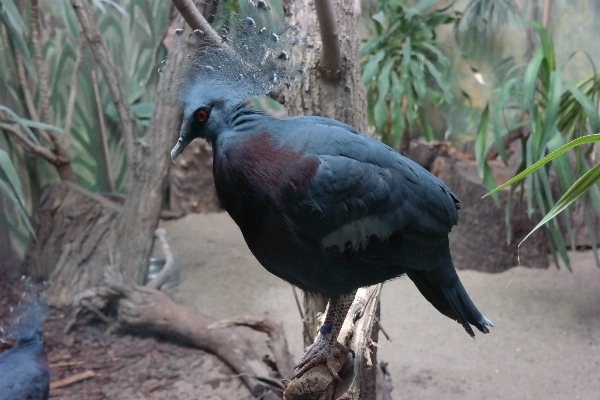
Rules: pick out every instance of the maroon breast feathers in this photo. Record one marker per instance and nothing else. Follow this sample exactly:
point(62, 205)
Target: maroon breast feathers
point(257, 176)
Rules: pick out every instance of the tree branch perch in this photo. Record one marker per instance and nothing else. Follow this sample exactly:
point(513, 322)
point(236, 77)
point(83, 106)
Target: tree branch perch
point(331, 56)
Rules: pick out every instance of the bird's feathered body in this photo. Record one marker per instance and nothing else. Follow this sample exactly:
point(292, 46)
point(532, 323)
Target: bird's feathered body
point(24, 371)
point(24, 368)
point(330, 210)
point(320, 205)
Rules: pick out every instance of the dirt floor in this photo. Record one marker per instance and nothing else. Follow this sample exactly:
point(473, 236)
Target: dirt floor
point(546, 343)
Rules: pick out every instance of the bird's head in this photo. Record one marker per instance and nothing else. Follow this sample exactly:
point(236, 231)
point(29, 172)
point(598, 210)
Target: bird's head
point(204, 116)
point(254, 57)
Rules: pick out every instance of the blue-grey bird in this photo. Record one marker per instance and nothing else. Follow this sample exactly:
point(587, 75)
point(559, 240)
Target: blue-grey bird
point(319, 204)
point(24, 368)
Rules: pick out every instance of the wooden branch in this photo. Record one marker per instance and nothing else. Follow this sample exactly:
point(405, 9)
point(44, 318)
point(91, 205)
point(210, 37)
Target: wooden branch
point(140, 308)
point(546, 13)
point(59, 144)
point(72, 379)
point(314, 305)
point(163, 275)
point(196, 20)
point(103, 133)
point(64, 364)
point(107, 66)
point(277, 340)
point(40, 66)
point(331, 56)
point(74, 81)
point(356, 332)
point(147, 309)
point(30, 146)
point(31, 110)
point(366, 303)
point(305, 329)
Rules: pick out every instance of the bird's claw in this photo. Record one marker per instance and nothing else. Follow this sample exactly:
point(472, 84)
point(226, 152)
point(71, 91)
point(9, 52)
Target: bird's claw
point(321, 351)
point(344, 349)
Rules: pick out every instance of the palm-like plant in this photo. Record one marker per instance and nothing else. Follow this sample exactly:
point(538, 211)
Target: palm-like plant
point(405, 68)
point(79, 102)
point(558, 112)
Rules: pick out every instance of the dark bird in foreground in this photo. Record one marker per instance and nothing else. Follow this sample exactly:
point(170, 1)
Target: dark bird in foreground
point(24, 368)
point(321, 205)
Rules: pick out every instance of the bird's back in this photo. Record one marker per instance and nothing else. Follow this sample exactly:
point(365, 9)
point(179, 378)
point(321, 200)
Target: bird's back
point(24, 372)
point(24, 368)
point(320, 204)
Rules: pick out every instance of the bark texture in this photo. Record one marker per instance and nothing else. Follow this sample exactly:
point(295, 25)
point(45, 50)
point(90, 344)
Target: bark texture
point(72, 226)
point(191, 183)
point(9, 266)
point(82, 238)
point(146, 183)
point(343, 99)
point(339, 96)
point(358, 375)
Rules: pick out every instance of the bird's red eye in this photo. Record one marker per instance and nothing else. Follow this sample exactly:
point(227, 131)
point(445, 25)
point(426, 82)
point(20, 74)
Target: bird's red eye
point(201, 116)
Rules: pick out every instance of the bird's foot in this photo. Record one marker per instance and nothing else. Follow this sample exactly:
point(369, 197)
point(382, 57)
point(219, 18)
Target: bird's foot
point(321, 351)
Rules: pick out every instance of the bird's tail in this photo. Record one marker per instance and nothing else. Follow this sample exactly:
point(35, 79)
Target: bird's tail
point(442, 288)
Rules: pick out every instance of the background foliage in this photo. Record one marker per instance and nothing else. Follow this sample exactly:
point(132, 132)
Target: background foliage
point(133, 32)
point(405, 68)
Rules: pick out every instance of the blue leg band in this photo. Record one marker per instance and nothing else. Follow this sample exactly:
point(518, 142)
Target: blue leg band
point(325, 329)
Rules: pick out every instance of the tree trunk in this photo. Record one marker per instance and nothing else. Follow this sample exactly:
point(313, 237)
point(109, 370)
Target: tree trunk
point(72, 226)
point(343, 99)
point(82, 238)
point(10, 259)
point(191, 184)
point(148, 170)
point(339, 96)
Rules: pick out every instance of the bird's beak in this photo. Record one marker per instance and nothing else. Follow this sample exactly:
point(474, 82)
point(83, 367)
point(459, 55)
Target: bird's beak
point(177, 149)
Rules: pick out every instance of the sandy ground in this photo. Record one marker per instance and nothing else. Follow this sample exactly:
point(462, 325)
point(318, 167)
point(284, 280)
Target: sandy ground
point(546, 343)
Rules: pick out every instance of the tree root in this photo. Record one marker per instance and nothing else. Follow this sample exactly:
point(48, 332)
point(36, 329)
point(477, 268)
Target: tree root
point(145, 308)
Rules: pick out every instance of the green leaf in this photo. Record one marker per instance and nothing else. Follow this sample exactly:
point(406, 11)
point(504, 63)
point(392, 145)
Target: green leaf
point(481, 149)
point(530, 78)
point(481, 139)
point(498, 131)
point(418, 80)
point(551, 109)
point(20, 121)
point(439, 80)
point(398, 123)
point(380, 113)
point(16, 30)
point(15, 191)
point(549, 157)
point(561, 163)
point(578, 188)
point(379, 18)
point(372, 67)
point(546, 43)
point(142, 110)
point(425, 126)
point(588, 106)
point(406, 55)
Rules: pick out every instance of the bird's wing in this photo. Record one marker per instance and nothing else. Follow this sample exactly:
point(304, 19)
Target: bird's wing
point(364, 188)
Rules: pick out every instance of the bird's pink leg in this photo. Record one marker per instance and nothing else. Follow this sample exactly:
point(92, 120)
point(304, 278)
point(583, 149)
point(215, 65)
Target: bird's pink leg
point(321, 351)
